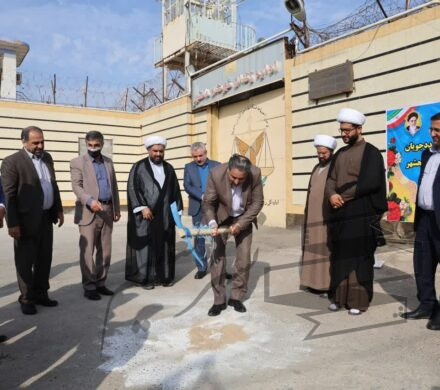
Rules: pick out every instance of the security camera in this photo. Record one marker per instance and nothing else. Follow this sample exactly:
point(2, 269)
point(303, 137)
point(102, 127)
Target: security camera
point(296, 8)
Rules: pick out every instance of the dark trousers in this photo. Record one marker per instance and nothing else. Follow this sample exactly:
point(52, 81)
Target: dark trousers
point(426, 258)
point(241, 267)
point(33, 259)
point(199, 243)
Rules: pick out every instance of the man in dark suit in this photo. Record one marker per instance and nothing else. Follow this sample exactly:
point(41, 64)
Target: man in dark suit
point(195, 177)
point(33, 203)
point(233, 198)
point(2, 216)
point(96, 208)
point(427, 227)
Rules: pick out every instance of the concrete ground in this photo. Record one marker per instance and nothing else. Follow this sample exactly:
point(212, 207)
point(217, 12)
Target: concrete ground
point(163, 338)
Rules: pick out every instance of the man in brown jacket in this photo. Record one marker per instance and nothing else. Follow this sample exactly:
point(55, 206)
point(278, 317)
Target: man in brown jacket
point(33, 204)
point(233, 198)
point(97, 207)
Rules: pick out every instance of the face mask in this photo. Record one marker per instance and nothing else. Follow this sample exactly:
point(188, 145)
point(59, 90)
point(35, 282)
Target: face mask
point(94, 152)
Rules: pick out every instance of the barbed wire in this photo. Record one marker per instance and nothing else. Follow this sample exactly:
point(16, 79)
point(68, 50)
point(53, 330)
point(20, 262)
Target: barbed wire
point(367, 13)
point(90, 92)
point(77, 91)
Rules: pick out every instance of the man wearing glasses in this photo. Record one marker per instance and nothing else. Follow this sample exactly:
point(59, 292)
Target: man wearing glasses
point(426, 225)
point(356, 191)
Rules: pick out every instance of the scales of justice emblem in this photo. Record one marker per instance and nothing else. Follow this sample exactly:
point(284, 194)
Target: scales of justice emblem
point(251, 140)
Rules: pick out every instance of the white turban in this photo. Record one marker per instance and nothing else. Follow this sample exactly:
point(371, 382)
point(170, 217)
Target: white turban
point(155, 140)
point(351, 116)
point(325, 140)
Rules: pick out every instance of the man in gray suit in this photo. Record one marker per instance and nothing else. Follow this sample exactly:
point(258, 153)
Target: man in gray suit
point(33, 203)
point(195, 177)
point(97, 207)
point(233, 198)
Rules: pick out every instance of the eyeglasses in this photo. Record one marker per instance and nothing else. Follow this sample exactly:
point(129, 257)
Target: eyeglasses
point(347, 131)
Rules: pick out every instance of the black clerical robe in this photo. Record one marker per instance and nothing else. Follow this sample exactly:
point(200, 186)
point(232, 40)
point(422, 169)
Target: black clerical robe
point(151, 244)
point(354, 229)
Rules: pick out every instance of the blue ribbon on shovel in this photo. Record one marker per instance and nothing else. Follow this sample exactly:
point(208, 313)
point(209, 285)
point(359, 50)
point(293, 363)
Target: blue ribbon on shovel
point(188, 235)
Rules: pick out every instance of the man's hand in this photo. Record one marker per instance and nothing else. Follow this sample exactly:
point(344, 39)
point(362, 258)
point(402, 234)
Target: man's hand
point(214, 227)
point(336, 201)
point(2, 215)
point(14, 232)
point(59, 219)
point(235, 229)
point(95, 206)
point(147, 214)
point(116, 217)
point(214, 231)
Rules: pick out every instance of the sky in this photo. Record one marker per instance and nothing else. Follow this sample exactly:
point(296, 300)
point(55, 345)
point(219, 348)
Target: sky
point(111, 41)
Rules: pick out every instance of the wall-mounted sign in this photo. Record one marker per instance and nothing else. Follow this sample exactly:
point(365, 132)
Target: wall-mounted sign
point(256, 69)
point(331, 81)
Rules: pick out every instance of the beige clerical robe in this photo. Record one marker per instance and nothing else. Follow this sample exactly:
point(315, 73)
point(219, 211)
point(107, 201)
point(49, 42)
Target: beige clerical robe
point(315, 267)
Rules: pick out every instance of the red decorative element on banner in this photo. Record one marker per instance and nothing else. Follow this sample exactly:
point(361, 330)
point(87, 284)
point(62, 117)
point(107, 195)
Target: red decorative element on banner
point(393, 211)
point(391, 158)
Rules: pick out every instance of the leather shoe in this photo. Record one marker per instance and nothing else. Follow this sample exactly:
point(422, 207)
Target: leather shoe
point(104, 291)
point(432, 325)
point(215, 310)
point(46, 301)
point(434, 321)
point(200, 275)
point(238, 306)
point(93, 295)
point(28, 308)
point(149, 286)
point(168, 284)
point(3, 338)
point(418, 314)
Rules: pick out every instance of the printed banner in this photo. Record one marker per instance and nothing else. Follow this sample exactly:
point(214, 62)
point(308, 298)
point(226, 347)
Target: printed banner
point(408, 136)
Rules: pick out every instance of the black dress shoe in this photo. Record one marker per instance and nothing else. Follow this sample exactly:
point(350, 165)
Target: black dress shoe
point(3, 338)
point(215, 310)
point(28, 308)
point(432, 325)
point(434, 321)
point(228, 276)
point(418, 314)
point(168, 284)
point(238, 306)
point(200, 275)
point(104, 291)
point(149, 286)
point(46, 301)
point(93, 295)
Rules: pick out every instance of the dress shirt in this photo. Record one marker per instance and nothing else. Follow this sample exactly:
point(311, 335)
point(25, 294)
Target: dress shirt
point(45, 180)
point(159, 175)
point(203, 173)
point(237, 201)
point(237, 207)
point(105, 193)
point(425, 198)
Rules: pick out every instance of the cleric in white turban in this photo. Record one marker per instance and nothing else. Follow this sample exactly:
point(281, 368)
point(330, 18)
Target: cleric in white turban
point(315, 267)
point(151, 140)
point(349, 115)
point(152, 187)
point(325, 140)
point(356, 191)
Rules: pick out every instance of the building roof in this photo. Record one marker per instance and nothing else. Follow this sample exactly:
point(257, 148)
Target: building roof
point(21, 48)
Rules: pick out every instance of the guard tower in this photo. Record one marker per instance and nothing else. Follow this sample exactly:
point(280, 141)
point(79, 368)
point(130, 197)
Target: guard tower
point(199, 33)
point(12, 54)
